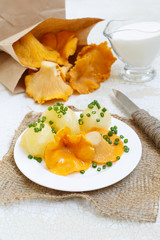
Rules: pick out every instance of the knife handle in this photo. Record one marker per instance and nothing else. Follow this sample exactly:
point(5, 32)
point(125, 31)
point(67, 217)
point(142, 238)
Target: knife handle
point(150, 125)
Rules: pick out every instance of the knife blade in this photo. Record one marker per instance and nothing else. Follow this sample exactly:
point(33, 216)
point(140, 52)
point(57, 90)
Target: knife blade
point(148, 124)
point(126, 103)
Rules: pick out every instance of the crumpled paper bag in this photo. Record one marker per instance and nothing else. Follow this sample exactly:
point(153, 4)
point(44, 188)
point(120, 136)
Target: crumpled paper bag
point(11, 70)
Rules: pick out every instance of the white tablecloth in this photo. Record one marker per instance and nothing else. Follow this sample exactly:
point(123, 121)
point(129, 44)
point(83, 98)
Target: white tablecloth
point(40, 219)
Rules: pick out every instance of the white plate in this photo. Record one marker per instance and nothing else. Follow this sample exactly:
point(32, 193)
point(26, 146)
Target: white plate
point(92, 179)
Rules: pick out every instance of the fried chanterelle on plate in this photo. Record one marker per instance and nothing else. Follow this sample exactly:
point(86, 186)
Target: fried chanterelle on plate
point(56, 76)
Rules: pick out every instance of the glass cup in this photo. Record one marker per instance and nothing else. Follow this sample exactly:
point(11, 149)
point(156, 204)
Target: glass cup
point(136, 43)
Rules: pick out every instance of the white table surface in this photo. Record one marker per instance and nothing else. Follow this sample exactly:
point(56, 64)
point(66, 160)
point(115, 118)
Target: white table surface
point(40, 219)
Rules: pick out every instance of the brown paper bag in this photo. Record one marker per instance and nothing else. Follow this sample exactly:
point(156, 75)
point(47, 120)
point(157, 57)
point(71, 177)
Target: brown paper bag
point(11, 70)
point(17, 15)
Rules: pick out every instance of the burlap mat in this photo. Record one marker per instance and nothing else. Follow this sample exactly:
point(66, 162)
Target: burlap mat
point(136, 197)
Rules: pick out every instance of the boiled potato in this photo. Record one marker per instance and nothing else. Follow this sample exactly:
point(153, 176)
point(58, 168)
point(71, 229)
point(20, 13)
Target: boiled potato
point(96, 115)
point(34, 142)
point(60, 116)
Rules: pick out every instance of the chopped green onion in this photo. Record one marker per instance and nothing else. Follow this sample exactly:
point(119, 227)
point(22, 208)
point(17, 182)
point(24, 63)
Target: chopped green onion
point(112, 129)
point(105, 137)
point(42, 125)
point(43, 119)
point(50, 108)
point(115, 127)
point(50, 122)
point(53, 130)
point(104, 109)
point(58, 111)
point(126, 149)
point(115, 131)
point(104, 166)
point(30, 156)
point(116, 142)
point(82, 171)
point(117, 139)
point(98, 169)
point(109, 164)
point(97, 104)
point(118, 157)
point(97, 120)
point(88, 114)
point(110, 133)
point(30, 125)
point(102, 114)
point(80, 121)
point(39, 120)
point(109, 141)
point(36, 129)
point(125, 140)
point(81, 115)
point(90, 106)
point(38, 159)
point(121, 136)
point(94, 164)
point(55, 108)
point(93, 112)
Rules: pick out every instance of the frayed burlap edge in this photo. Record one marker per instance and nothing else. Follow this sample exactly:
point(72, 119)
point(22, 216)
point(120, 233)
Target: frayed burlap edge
point(136, 197)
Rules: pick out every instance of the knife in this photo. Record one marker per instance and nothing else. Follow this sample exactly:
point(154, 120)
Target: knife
point(149, 124)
